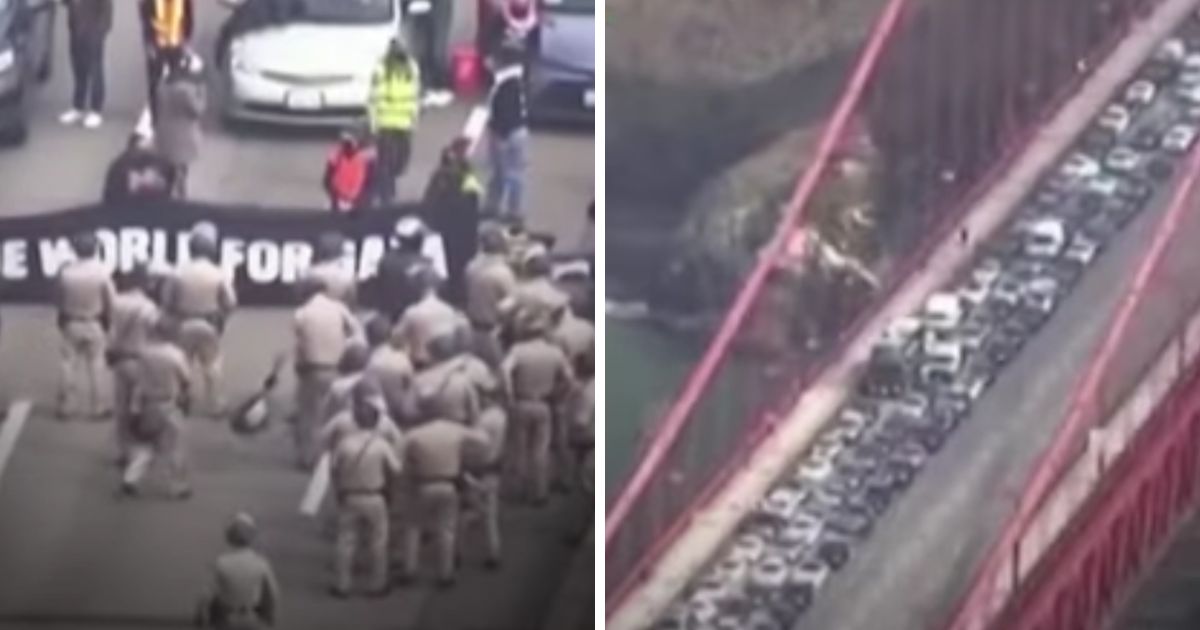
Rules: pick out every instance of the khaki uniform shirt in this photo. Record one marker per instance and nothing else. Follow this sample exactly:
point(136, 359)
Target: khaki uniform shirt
point(535, 301)
point(363, 462)
point(337, 276)
point(439, 449)
point(243, 579)
point(392, 368)
point(87, 290)
point(340, 392)
point(162, 372)
point(537, 370)
point(493, 424)
point(583, 416)
point(342, 425)
point(576, 336)
point(490, 280)
point(200, 289)
point(133, 315)
point(425, 321)
point(323, 328)
point(457, 389)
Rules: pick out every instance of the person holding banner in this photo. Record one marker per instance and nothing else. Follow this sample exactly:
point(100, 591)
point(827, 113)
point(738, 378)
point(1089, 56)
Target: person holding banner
point(201, 298)
point(350, 172)
point(85, 299)
point(139, 173)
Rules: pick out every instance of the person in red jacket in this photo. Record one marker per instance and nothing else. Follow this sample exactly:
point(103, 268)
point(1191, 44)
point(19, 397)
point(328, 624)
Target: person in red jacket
point(349, 172)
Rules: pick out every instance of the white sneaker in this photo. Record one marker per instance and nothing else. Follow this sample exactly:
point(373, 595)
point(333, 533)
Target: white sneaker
point(444, 98)
point(71, 117)
point(92, 120)
point(430, 99)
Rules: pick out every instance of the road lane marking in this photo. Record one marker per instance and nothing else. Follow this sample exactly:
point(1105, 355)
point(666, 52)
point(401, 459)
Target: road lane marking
point(18, 414)
point(318, 485)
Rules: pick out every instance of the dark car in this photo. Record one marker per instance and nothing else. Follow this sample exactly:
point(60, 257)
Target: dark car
point(562, 72)
point(26, 40)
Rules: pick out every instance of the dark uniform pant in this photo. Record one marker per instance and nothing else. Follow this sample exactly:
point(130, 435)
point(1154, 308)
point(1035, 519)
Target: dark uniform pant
point(395, 149)
point(87, 66)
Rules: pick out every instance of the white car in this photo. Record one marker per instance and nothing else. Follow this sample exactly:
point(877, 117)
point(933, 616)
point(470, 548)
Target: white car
point(1123, 160)
point(1103, 185)
point(943, 311)
point(1191, 61)
point(1115, 118)
point(1079, 166)
point(942, 365)
point(1189, 92)
point(1082, 250)
point(781, 503)
point(313, 70)
point(810, 572)
point(1179, 139)
point(1041, 294)
point(1140, 92)
point(769, 574)
point(748, 548)
point(1045, 238)
point(801, 533)
point(1173, 50)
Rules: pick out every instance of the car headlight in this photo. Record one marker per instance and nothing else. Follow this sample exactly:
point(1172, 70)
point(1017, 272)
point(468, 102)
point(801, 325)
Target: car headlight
point(8, 58)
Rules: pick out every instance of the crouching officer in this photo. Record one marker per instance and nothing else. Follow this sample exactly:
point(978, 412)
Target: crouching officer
point(244, 594)
point(436, 454)
point(362, 466)
point(201, 298)
point(538, 376)
point(85, 297)
point(158, 411)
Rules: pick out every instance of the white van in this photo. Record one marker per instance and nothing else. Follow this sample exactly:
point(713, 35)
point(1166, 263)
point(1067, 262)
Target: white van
point(1046, 238)
point(943, 311)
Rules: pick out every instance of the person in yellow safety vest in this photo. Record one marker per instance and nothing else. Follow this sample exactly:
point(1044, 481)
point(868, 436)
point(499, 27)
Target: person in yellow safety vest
point(394, 106)
point(167, 27)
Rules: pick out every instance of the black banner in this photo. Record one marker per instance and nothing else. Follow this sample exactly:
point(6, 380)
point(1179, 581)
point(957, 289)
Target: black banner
point(266, 249)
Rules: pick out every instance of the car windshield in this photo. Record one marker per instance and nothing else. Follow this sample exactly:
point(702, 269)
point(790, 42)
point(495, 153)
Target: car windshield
point(571, 6)
point(346, 11)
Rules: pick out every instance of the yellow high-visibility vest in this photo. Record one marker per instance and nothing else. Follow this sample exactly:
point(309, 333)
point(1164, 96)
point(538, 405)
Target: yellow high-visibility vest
point(395, 98)
point(168, 23)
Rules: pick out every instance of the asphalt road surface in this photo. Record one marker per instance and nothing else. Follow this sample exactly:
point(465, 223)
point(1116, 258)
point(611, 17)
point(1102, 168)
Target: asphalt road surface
point(73, 557)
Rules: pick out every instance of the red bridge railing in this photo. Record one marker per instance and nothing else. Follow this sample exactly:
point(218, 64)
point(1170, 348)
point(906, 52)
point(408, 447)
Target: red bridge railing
point(943, 95)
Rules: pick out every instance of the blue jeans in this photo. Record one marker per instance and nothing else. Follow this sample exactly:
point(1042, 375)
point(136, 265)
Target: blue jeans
point(509, 157)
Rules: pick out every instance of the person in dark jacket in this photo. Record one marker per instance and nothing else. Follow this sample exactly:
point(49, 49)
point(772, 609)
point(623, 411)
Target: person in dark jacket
point(177, 130)
point(452, 209)
point(88, 25)
point(350, 172)
point(397, 283)
point(139, 173)
point(508, 136)
point(167, 27)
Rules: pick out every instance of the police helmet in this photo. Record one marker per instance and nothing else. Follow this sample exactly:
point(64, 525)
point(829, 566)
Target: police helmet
point(85, 244)
point(242, 530)
point(409, 233)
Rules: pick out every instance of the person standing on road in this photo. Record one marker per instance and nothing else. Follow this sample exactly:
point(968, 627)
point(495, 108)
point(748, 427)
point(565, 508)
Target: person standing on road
point(243, 594)
point(332, 269)
point(85, 298)
point(396, 284)
point(88, 25)
point(508, 136)
point(201, 298)
point(430, 22)
point(167, 27)
point(134, 316)
point(391, 367)
point(139, 173)
point(323, 329)
point(538, 376)
point(490, 281)
point(427, 319)
point(436, 455)
point(180, 110)
point(350, 173)
point(482, 484)
point(159, 404)
point(537, 298)
point(394, 106)
point(362, 466)
point(451, 205)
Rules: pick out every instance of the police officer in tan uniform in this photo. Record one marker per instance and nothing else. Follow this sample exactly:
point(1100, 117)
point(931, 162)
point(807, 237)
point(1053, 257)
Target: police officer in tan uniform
point(333, 270)
point(490, 281)
point(536, 298)
point(161, 395)
point(457, 386)
point(436, 455)
point(243, 594)
point(134, 315)
point(85, 298)
point(390, 366)
point(350, 370)
point(202, 298)
point(577, 338)
point(538, 376)
point(428, 318)
point(362, 466)
point(483, 482)
point(343, 423)
point(323, 328)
